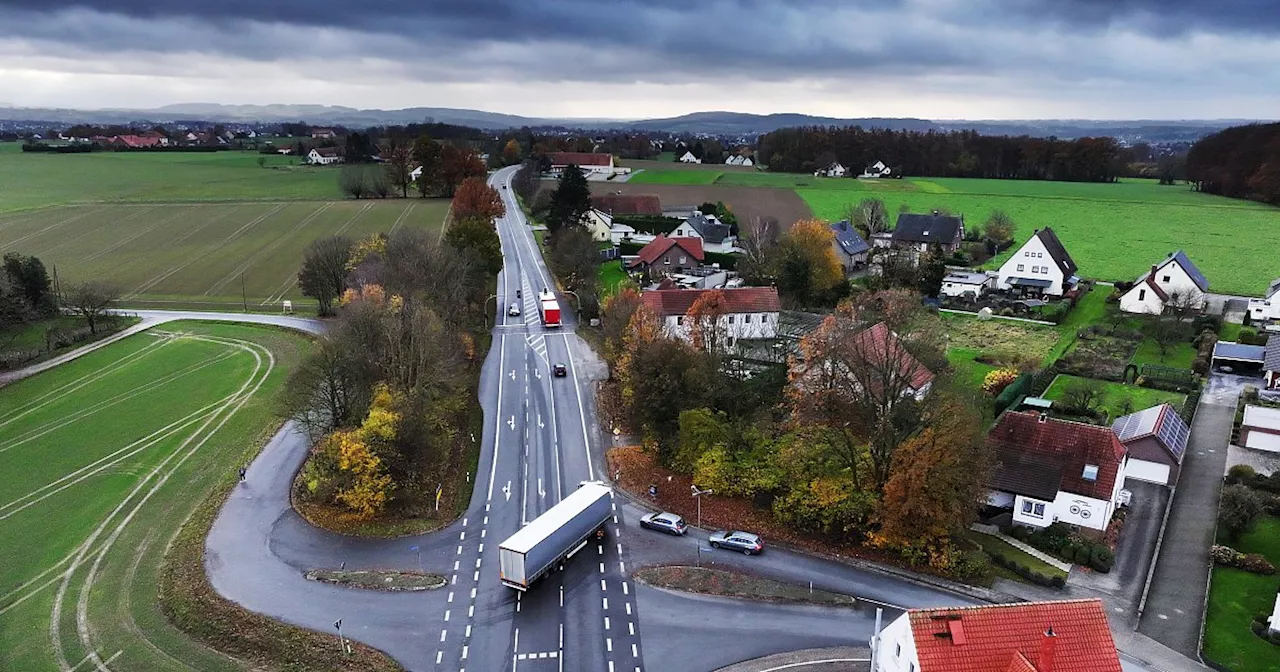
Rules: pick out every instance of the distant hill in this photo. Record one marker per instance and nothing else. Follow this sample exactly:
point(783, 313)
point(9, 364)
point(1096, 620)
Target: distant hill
point(717, 123)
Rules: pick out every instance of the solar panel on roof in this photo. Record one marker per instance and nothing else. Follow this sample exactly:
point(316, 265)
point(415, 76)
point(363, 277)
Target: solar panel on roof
point(1173, 433)
point(1137, 424)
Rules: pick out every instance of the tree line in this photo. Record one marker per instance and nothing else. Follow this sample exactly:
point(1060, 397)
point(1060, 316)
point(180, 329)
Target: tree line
point(1239, 162)
point(385, 394)
point(832, 441)
point(30, 295)
point(944, 154)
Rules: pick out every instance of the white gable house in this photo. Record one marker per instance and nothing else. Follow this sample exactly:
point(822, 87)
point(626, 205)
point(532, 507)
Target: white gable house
point(1268, 309)
point(833, 170)
point(1174, 282)
point(599, 224)
point(1041, 267)
point(689, 158)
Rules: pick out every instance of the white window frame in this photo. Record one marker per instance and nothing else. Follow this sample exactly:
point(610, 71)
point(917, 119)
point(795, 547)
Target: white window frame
point(1032, 508)
point(1020, 267)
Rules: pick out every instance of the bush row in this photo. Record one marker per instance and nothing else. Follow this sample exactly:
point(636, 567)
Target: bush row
point(1028, 573)
point(1058, 540)
point(1256, 563)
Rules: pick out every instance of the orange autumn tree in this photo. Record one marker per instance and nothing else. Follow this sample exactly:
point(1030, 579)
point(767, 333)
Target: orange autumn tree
point(615, 320)
point(807, 265)
point(704, 318)
point(475, 198)
point(643, 329)
point(935, 485)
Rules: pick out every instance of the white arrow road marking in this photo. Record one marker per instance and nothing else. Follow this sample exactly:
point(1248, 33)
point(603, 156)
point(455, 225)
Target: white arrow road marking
point(540, 425)
point(513, 374)
point(506, 490)
point(512, 423)
point(541, 492)
point(537, 373)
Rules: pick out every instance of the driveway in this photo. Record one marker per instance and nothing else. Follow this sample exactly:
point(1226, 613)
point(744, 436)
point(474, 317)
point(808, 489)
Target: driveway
point(1175, 602)
point(1225, 388)
point(1122, 586)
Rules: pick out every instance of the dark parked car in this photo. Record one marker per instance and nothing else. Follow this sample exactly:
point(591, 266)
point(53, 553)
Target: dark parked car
point(664, 522)
point(746, 542)
point(559, 371)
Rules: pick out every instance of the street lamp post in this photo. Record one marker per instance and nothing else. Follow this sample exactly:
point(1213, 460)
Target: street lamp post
point(485, 310)
point(697, 494)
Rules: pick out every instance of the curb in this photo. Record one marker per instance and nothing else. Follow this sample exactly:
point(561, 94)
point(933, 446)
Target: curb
point(975, 592)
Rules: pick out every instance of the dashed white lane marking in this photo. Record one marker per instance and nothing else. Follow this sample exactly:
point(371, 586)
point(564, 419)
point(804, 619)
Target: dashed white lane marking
point(451, 597)
point(624, 588)
point(464, 651)
point(606, 622)
point(459, 550)
point(635, 653)
point(606, 603)
point(602, 586)
point(455, 565)
point(628, 605)
point(439, 656)
point(443, 633)
point(446, 615)
point(462, 536)
point(608, 646)
point(602, 568)
point(538, 655)
point(631, 629)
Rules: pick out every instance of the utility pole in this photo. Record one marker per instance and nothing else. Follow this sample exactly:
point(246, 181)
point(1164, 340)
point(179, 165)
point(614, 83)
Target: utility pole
point(341, 640)
point(697, 494)
point(244, 298)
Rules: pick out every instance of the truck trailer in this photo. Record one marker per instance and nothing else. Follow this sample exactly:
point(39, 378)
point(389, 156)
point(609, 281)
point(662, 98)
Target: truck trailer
point(549, 308)
point(555, 536)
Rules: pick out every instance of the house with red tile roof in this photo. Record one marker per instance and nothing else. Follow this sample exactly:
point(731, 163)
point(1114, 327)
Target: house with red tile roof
point(749, 312)
point(590, 163)
point(884, 352)
point(1049, 470)
point(1056, 636)
point(668, 255)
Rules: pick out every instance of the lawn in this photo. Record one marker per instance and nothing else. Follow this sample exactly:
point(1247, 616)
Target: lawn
point(674, 176)
point(994, 546)
point(37, 180)
point(1004, 339)
point(1234, 597)
point(116, 450)
point(202, 255)
point(1230, 332)
point(611, 276)
point(1177, 355)
point(1114, 395)
point(1113, 231)
point(970, 373)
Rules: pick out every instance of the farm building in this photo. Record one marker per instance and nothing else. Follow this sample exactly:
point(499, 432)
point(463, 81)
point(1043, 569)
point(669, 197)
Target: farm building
point(833, 170)
point(628, 204)
point(590, 163)
point(1155, 440)
point(875, 171)
point(1041, 267)
point(739, 160)
point(1173, 283)
point(323, 156)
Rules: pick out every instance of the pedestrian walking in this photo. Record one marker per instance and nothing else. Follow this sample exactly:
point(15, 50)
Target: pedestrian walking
point(242, 471)
point(653, 492)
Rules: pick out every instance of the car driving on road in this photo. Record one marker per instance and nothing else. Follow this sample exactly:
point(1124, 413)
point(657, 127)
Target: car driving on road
point(514, 310)
point(746, 542)
point(664, 522)
point(559, 371)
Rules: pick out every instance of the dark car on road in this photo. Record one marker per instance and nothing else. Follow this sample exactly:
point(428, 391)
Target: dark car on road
point(664, 522)
point(559, 371)
point(746, 542)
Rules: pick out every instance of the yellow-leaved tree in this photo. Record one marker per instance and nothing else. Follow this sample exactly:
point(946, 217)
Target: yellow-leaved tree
point(367, 486)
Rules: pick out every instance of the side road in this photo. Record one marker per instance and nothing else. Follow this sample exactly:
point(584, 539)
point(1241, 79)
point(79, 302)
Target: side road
point(151, 318)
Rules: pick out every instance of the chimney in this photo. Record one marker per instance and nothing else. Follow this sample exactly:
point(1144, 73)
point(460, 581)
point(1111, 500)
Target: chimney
point(1043, 416)
point(1047, 645)
point(1153, 270)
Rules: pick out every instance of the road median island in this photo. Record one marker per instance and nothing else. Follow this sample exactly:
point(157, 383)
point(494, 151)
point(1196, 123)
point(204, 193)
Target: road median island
point(388, 580)
point(736, 584)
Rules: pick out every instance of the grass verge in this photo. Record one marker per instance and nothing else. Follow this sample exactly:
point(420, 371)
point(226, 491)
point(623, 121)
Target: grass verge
point(1114, 395)
point(379, 580)
point(1234, 597)
point(995, 546)
point(727, 583)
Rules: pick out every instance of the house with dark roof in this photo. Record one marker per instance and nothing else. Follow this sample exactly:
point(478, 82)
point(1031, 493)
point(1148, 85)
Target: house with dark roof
point(716, 235)
point(665, 256)
point(749, 312)
point(850, 247)
point(920, 233)
point(1054, 636)
point(1173, 283)
point(1154, 440)
point(1041, 267)
point(628, 204)
point(1049, 470)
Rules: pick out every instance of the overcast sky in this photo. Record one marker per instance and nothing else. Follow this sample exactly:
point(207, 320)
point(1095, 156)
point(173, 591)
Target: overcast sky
point(937, 59)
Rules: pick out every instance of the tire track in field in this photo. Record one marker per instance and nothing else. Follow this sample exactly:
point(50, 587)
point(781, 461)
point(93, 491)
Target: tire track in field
point(29, 236)
point(161, 277)
point(157, 477)
point(125, 241)
point(206, 432)
point(69, 241)
point(253, 258)
point(80, 414)
point(145, 254)
point(24, 216)
point(94, 376)
point(288, 284)
point(404, 215)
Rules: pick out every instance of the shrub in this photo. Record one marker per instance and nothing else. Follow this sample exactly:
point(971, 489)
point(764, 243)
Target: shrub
point(1207, 322)
point(1101, 559)
point(1240, 474)
point(1224, 556)
point(1239, 508)
point(995, 381)
point(1256, 563)
point(1084, 555)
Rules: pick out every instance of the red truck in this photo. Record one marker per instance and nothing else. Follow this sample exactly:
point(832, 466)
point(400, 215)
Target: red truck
point(549, 308)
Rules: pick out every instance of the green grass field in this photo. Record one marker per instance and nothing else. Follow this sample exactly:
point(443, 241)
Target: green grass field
point(104, 459)
point(1234, 597)
point(1114, 395)
point(659, 176)
point(197, 254)
point(1113, 231)
point(37, 180)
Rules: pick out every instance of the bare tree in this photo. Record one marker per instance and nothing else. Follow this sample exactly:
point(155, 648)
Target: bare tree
point(397, 157)
point(92, 300)
point(325, 392)
point(324, 270)
point(1182, 304)
point(1166, 331)
point(869, 216)
point(1083, 396)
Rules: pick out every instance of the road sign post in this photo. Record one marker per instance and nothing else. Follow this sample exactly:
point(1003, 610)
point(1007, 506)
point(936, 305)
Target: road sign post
point(418, 550)
point(439, 491)
point(697, 494)
point(337, 625)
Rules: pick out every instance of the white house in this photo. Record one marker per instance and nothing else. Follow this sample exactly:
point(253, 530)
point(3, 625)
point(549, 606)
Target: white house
point(1154, 440)
point(739, 160)
point(1260, 429)
point(1173, 282)
point(749, 312)
point(875, 171)
point(1050, 470)
point(588, 162)
point(833, 170)
point(688, 157)
point(961, 282)
point(716, 235)
point(1054, 636)
point(323, 156)
point(1041, 267)
point(1268, 309)
point(599, 224)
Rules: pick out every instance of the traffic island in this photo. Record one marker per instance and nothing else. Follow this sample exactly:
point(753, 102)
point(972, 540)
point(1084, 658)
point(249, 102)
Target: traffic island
point(737, 584)
point(378, 580)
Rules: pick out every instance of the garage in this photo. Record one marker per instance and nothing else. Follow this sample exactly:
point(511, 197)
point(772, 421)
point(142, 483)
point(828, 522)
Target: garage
point(1238, 358)
point(1260, 429)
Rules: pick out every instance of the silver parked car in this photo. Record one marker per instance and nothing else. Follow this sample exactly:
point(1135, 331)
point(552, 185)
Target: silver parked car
point(748, 543)
point(664, 522)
